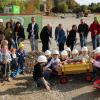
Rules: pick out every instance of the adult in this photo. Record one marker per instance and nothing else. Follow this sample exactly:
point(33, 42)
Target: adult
point(33, 30)
point(8, 34)
point(12, 23)
point(45, 36)
point(19, 35)
point(57, 30)
point(71, 38)
point(95, 33)
point(61, 39)
point(83, 30)
point(2, 37)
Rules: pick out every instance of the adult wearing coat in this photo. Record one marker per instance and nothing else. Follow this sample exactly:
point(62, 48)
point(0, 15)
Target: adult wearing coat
point(33, 30)
point(83, 30)
point(95, 33)
point(71, 38)
point(45, 36)
point(61, 39)
point(19, 35)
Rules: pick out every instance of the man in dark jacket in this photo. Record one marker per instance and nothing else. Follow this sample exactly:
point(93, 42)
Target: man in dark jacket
point(83, 30)
point(33, 30)
point(45, 36)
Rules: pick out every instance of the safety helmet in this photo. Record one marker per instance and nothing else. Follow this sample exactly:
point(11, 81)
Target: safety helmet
point(1, 20)
point(68, 49)
point(84, 49)
point(64, 52)
point(75, 51)
point(42, 58)
point(56, 52)
point(21, 45)
point(97, 50)
point(47, 52)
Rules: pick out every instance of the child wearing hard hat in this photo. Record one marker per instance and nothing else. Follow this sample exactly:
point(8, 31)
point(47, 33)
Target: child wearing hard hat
point(96, 60)
point(64, 57)
point(68, 51)
point(38, 71)
point(75, 56)
point(55, 62)
point(84, 56)
point(21, 57)
point(48, 55)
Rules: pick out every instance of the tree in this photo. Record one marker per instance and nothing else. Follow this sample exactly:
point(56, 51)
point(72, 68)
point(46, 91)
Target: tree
point(49, 5)
point(84, 8)
point(63, 7)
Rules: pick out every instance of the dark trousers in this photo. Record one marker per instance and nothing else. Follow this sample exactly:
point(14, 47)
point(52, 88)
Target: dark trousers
point(71, 45)
point(45, 45)
point(61, 47)
point(5, 69)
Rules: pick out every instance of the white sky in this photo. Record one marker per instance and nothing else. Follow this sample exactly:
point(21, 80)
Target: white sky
point(87, 2)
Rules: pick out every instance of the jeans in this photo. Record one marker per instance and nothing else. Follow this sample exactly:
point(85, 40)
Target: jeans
point(34, 44)
point(83, 41)
point(96, 41)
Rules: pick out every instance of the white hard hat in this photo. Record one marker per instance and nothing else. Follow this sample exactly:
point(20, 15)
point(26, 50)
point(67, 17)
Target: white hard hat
point(47, 52)
point(64, 52)
point(42, 58)
point(68, 49)
point(55, 52)
point(75, 51)
point(97, 50)
point(1, 20)
point(84, 49)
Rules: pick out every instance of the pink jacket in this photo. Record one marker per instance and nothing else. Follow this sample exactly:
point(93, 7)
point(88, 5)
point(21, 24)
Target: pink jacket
point(96, 64)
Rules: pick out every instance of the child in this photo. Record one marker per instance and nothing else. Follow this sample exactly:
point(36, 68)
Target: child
point(48, 55)
point(55, 62)
point(68, 51)
point(64, 57)
point(21, 57)
point(38, 75)
point(14, 64)
point(75, 56)
point(84, 56)
point(5, 60)
point(96, 60)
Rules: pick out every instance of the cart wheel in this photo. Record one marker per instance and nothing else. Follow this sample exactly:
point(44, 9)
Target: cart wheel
point(89, 77)
point(63, 80)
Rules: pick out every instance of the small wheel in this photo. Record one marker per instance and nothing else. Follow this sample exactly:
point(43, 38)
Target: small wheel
point(89, 77)
point(63, 80)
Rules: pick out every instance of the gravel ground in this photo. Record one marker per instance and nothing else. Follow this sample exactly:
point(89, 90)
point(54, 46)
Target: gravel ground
point(23, 88)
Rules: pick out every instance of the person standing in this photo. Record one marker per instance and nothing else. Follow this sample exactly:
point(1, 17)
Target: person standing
point(61, 39)
point(33, 30)
point(95, 33)
point(45, 36)
point(83, 30)
point(19, 35)
point(71, 38)
point(2, 37)
point(8, 34)
point(57, 30)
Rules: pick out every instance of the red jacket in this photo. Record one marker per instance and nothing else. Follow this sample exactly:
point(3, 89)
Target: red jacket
point(94, 27)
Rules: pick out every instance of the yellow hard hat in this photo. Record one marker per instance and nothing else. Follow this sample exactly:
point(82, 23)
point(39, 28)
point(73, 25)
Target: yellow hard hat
point(21, 45)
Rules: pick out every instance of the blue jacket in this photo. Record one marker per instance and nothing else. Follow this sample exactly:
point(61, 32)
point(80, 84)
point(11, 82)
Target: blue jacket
point(61, 38)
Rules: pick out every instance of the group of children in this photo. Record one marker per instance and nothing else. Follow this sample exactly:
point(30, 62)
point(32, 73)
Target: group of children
point(11, 61)
point(50, 63)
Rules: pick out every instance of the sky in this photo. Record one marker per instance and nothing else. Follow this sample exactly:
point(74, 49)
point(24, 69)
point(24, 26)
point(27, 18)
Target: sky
point(87, 2)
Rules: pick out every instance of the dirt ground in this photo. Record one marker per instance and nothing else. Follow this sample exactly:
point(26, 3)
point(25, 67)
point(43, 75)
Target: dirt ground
point(24, 88)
